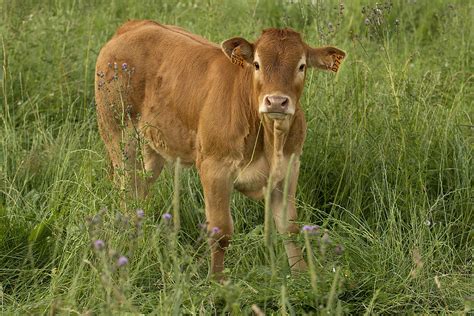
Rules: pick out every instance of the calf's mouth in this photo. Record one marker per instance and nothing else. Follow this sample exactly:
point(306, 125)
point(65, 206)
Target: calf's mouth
point(277, 115)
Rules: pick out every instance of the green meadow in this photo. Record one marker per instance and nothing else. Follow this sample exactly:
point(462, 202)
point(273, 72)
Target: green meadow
point(387, 169)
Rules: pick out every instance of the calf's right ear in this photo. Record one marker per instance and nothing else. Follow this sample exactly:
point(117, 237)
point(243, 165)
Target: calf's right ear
point(238, 50)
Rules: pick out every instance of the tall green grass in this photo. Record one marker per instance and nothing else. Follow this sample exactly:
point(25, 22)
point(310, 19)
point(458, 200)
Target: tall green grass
point(387, 169)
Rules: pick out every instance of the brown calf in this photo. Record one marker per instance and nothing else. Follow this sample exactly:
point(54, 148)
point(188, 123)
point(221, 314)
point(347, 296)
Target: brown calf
point(233, 110)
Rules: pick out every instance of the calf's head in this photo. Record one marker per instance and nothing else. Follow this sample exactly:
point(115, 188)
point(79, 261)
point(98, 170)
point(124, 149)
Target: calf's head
point(279, 60)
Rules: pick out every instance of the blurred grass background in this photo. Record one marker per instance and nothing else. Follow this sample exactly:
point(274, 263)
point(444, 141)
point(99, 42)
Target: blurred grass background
point(387, 168)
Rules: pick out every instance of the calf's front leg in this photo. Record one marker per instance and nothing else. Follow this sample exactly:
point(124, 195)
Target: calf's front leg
point(288, 226)
point(217, 186)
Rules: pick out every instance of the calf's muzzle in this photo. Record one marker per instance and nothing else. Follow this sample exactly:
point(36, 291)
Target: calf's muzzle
point(277, 104)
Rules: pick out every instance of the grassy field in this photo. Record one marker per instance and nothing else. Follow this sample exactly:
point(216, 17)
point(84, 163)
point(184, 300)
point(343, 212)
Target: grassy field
point(387, 170)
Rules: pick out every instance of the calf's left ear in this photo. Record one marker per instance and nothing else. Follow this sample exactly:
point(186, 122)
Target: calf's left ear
point(238, 50)
point(327, 58)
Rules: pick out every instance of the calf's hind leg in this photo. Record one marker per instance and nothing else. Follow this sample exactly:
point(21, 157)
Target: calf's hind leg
point(151, 166)
point(136, 168)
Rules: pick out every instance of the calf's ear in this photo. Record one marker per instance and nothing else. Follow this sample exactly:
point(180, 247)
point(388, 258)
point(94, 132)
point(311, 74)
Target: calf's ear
point(327, 58)
point(238, 50)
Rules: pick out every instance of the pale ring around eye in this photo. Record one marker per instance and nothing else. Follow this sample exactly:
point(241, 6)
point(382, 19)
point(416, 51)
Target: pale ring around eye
point(302, 67)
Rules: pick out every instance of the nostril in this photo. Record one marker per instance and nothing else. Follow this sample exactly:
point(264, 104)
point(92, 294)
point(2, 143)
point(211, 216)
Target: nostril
point(267, 101)
point(284, 104)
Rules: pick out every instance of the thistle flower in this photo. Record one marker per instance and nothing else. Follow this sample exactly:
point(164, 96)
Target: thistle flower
point(122, 261)
point(167, 216)
point(310, 229)
point(99, 244)
point(215, 230)
point(124, 66)
point(140, 213)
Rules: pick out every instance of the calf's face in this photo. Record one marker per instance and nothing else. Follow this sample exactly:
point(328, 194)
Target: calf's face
point(279, 59)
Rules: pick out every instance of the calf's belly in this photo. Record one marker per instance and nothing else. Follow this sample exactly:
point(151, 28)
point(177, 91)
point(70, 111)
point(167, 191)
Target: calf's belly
point(171, 141)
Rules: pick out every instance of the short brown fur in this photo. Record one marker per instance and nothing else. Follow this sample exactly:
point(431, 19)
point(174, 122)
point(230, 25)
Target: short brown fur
point(183, 97)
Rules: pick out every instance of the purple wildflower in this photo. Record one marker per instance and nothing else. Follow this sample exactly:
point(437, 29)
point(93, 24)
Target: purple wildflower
point(124, 66)
point(140, 213)
point(310, 229)
point(215, 230)
point(99, 244)
point(167, 216)
point(122, 261)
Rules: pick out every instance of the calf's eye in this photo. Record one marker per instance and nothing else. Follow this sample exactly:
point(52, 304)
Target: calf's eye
point(302, 67)
point(256, 65)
